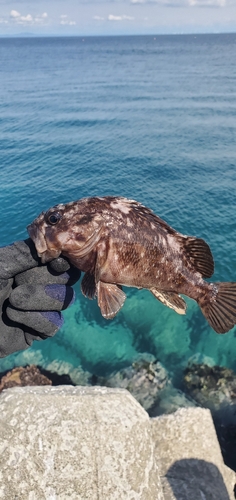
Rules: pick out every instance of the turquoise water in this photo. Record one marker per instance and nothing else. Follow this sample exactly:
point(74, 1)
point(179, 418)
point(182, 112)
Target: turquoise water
point(151, 118)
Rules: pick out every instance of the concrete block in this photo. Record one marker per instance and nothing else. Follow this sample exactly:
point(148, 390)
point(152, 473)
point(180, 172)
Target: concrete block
point(75, 443)
point(189, 457)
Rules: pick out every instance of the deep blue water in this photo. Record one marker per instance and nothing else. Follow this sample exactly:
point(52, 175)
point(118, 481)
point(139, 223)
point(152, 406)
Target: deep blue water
point(151, 118)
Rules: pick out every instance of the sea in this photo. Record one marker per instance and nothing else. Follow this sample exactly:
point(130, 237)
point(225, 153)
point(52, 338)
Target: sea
point(151, 118)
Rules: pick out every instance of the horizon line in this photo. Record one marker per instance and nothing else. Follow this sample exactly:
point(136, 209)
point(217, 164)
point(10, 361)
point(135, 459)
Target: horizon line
point(57, 35)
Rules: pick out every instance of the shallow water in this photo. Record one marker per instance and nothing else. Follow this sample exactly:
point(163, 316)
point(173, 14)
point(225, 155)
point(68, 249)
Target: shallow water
point(148, 118)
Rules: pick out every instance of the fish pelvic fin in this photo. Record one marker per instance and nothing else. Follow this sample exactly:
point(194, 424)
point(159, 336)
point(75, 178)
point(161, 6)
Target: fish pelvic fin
point(198, 253)
point(110, 299)
point(88, 286)
point(219, 306)
point(170, 299)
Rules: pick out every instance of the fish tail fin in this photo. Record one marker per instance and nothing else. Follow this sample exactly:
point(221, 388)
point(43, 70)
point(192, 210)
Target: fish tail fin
point(218, 306)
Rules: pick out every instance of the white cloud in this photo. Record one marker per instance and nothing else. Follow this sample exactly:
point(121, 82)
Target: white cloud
point(65, 21)
point(41, 19)
point(207, 3)
point(27, 18)
point(14, 14)
point(68, 23)
point(165, 3)
point(185, 3)
point(114, 18)
point(17, 18)
point(120, 18)
point(98, 18)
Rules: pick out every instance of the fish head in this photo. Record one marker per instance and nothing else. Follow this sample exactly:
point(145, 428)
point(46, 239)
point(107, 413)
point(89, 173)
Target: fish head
point(65, 229)
point(44, 233)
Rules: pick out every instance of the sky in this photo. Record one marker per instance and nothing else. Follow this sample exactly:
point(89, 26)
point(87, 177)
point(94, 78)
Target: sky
point(116, 17)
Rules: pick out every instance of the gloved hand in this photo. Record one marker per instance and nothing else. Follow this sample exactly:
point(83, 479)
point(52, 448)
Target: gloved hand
point(31, 296)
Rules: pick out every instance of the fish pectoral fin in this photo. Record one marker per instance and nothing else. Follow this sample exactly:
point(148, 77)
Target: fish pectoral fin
point(88, 286)
point(110, 299)
point(170, 299)
point(199, 254)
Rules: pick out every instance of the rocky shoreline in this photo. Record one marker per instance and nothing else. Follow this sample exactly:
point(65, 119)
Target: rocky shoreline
point(149, 383)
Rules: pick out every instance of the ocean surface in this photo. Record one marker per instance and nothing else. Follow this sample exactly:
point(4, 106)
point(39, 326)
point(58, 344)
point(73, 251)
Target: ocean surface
point(149, 118)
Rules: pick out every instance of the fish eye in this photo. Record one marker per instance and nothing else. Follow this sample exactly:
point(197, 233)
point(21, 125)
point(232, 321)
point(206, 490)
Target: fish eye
point(53, 218)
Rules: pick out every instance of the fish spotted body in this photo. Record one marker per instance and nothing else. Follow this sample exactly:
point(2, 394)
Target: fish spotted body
point(117, 241)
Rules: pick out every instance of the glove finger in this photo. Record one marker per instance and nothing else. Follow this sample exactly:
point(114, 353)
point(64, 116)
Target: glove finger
point(5, 288)
point(42, 298)
point(17, 257)
point(60, 265)
point(12, 340)
point(45, 323)
point(22, 255)
point(46, 275)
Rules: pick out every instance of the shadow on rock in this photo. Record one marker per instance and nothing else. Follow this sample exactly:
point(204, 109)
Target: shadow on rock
point(194, 479)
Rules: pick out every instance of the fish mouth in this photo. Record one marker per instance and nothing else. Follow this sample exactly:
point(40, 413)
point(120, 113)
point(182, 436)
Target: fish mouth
point(48, 255)
point(44, 252)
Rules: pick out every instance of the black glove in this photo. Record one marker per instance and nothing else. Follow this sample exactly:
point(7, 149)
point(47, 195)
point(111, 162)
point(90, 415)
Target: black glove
point(31, 296)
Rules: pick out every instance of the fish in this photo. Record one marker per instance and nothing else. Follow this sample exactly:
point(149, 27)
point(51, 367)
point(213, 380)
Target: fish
point(119, 242)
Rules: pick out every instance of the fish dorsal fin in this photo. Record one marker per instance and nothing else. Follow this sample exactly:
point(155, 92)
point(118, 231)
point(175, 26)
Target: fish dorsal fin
point(199, 254)
point(170, 299)
point(88, 286)
point(110, 299)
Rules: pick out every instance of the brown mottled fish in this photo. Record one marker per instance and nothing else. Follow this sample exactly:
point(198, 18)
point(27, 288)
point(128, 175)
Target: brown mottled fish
point(117, 241)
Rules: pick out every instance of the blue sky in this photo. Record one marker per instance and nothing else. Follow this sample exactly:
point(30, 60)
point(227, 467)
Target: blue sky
point(111, 17)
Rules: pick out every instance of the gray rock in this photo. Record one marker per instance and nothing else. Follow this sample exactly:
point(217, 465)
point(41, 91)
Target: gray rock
point(144, 379)
point(189, 457)
point(77, 443)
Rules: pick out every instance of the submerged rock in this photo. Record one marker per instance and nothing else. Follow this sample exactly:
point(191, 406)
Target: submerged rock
point(57, 373)
point(21, 377)
point(214, 387)
point(63, 373)
point(171, 399)
point(211, 386)
point(144, 379)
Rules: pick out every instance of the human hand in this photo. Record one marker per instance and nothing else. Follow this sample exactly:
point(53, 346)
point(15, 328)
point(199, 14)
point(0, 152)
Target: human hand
point(31, 296)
